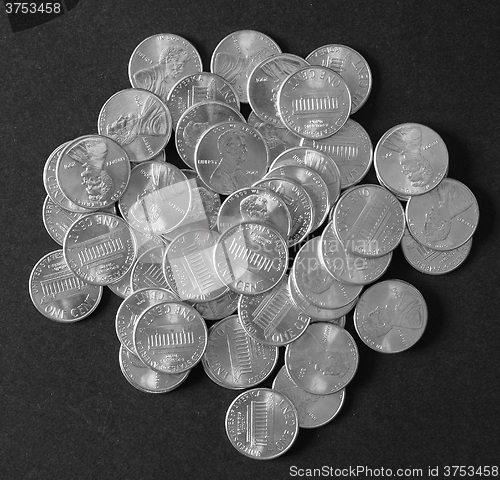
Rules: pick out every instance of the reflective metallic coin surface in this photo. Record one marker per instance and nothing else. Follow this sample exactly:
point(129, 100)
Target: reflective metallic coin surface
point(99, 248)
point(145, 379)
point(369, 220)
point(160, 61)
point(262, 423)
point(137, 120)
point(272, 318)
point(323, 360)
point(57, 220)
point(58, 293)
point(195, 121)
point(433, 262)
point(314, 102)
point(390, 316)
point(411, 159)
point(233, 359)
point(444, 218)
point(170, 337)
point(147, 271)
point(231, 156)
point(350, 148)
point(238, 54)
point(351, 66)
point(219, 308)
point(265, 81)
point(93, 171)
point(251, 258)
point(313, 410)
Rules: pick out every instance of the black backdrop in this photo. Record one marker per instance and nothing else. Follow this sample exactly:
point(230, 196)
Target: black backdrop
point(66, 410)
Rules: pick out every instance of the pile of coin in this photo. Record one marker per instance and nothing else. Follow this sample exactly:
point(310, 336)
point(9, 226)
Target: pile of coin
point(243, 228)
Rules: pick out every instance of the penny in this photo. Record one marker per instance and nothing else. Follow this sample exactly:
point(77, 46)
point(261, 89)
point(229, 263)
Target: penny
point(233, 359)
point(231, 156)
point(315, 283)
point(313, 410)
point(58, 294)
point(350, 148)
point(238, 54)
point(144, 379)
point(131, 309)
point(93, 171)
point(137, 120)
point(157, 199)
point(57, 220)
point(444, 218)
point(347, 266)
point(323, 360)
point(199, 87)
point(198, 119)
point(147, 271)
point(390, 316)
point(159, 61)
point(262, 423)
point(272, 318)
point(318, 161)
point(351, 66)
point(369, 221)
point(255, 204)
point(433, 262)
point(299, 205)
point(189, 269)
point(251, 258)
point(99, 248)
point(411, 159)
point(264, 82)
point(220, 307)
point(170, 337)
point(314, 102)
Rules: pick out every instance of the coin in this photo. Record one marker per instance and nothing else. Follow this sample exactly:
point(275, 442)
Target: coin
point(99, 248)
point(170, 337)
point(137, 120)
point(433, 262)
point(444, 218)
point(351, 66)
point(316, 284)
point(58, 294)
point(157, 199)
point(313, 410)
point(159, 61)
point(272, 318)
point(390, 316)
point(369, 221)
point(251, 258)
point(411, 159)
point(264, 82)
point(57, 220)
point(147, 271)
point(350, 148)
point(198, 119)
point(233, 359)
point(323, 360)
point(238, 54)
point(299, 205)
point(347, 266)
point(231, 156)
point(145, 379)
point(336, 321)
point(93, 171)
point(318, 161)
point(131, 309)
point(314, 102)
point(219, 308)
point(199, 87)
point(262, 423)
point(255, 204)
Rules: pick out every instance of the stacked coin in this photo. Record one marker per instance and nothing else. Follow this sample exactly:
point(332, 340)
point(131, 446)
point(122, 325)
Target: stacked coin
point(185, 247)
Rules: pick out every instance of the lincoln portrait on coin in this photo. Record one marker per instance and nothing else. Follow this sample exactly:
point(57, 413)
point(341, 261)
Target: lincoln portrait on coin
point(254, 207)
point(229, 176)
point(327, 361)
point(160, 78)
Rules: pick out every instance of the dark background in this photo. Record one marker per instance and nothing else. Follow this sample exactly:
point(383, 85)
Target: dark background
point(66, 411)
